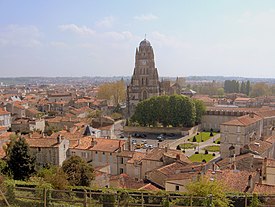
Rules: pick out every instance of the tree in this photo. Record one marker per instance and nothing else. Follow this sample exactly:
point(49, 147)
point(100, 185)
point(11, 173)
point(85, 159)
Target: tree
point(206, 188)
point(78, 171)
point(175, 110)
point(259, 89)
point(247, 88)
point(20, 160)
point(115, 92)
point(200, 110)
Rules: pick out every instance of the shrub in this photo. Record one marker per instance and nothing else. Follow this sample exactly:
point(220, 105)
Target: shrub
point(211, 134)
point(214, 154)
point(206, 152)
point(194, 139)
point(218, 142)
point(197, 152)
point(204, 160)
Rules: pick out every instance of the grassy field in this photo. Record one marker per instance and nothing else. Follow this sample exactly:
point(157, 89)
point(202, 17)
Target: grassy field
point(202, 137)
point(188, 145)
point(200, 157)
point(212, 148)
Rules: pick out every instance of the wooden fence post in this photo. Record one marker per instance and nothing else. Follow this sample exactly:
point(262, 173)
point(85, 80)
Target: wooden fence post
point(142, 200)
point(45, 197)
point(85, 198)
point(245, 200)
point(191, 200)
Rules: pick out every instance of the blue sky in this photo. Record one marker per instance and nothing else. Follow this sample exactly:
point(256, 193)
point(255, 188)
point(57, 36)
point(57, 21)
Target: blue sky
point(98, 38)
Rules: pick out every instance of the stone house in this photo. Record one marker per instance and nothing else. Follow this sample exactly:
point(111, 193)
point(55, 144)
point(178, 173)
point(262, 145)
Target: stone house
point(26, 125)
point(5, 118)
point(49, 151)
point(98, 151)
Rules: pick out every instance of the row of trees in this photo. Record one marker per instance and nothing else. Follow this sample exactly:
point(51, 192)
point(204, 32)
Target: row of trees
point(20, 165)
point(234, 86)
point(175, 110)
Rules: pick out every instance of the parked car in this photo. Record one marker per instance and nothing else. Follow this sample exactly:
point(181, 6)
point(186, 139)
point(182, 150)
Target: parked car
point(160, 137)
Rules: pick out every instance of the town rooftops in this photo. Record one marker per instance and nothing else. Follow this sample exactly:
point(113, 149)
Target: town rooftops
point(97, 144)
point(245, 120)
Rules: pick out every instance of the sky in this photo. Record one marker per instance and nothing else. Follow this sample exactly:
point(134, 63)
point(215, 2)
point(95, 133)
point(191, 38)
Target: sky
point(98, 38)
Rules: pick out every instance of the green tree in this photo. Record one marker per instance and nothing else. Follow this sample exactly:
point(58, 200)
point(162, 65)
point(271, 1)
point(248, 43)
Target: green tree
point(247, 85)
point(212, 189)
point(20, 160)
point(175, 110)
point(259, 89)
point(200, 110)
point(79, 173)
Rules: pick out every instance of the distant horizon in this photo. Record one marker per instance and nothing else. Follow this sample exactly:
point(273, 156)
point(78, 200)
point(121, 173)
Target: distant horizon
point(189, 38)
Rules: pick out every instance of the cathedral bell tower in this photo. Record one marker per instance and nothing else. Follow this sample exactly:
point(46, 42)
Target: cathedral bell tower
point(145, 81)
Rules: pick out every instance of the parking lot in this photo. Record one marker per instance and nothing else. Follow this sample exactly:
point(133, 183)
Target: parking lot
point(142, 141)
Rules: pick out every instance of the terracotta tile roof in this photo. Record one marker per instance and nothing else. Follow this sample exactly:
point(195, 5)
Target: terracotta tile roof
point(242, 99)
point(42, 142)
point(270, 162)
point(260, 146)
point(233, 181)
point(157, 154)
point(149, 187)
point(249, 162)
point(271, 139)
point(101, 144)
point(265, 114)
point(245, 120)
point(264, 189)
point(3, 112)
point(124, 181)
point(6, 135)
point(137, 156)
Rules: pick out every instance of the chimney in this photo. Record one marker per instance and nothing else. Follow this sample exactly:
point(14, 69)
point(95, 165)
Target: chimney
point(93, 142)
point(59, 139)
point(249, 183)
point(177, 157)
point(234, 162)
point(166, 149)
point(129, 143)
point(260, 176)
point(264, 168)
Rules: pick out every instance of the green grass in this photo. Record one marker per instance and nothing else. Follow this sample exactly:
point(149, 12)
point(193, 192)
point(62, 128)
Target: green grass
point(202, 137)
point(212, 148)
point(216, 142)
point(188, 145)
point(200, 157)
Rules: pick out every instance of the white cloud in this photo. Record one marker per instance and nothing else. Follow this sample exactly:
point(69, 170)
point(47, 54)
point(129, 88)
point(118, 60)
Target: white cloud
point(168, 41)
point(58, 44)
point(146, 17)
point(82, 30)
point(22, 36)
point(106, 22)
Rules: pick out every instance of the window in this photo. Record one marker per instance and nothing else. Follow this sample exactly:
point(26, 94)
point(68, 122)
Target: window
point(177, 188)
point(103, 153)
point(39, 149)
point(96, 152)
point(238, 129)
point(121, 160)
point(121, 170)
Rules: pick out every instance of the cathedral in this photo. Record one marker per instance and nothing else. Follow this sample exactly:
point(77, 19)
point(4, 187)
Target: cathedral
point(145, 80)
